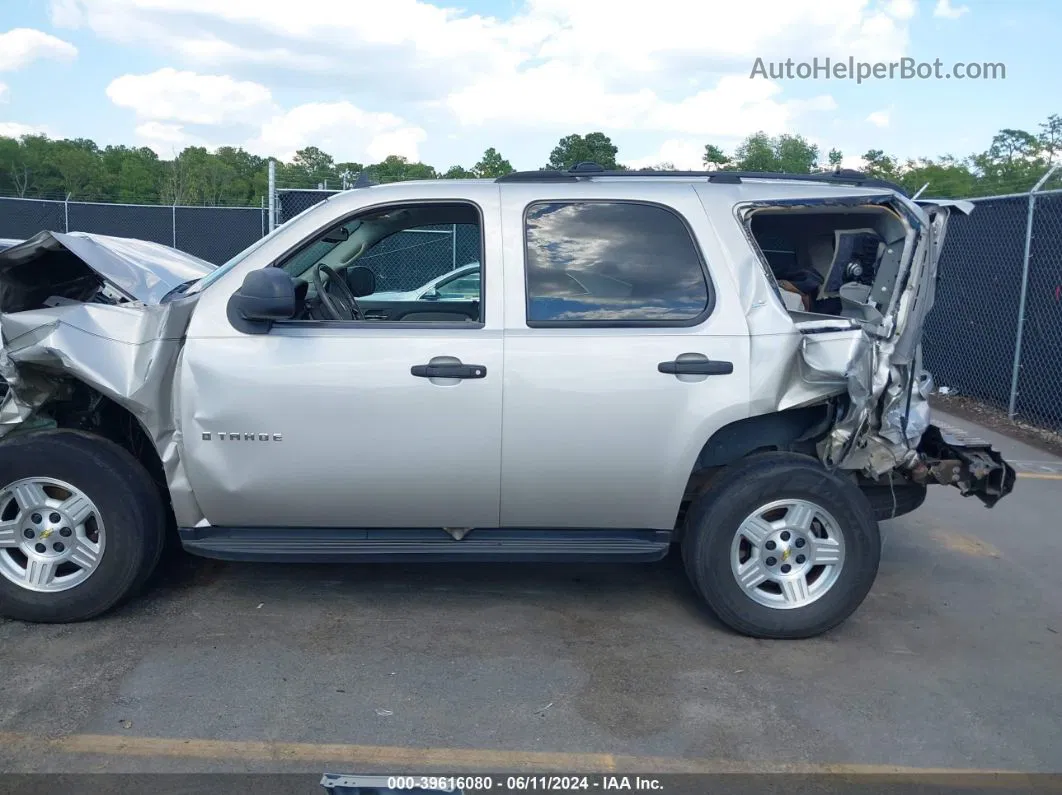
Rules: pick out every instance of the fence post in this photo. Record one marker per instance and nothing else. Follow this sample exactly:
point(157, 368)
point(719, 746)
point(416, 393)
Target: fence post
point(453, 248)
point(66, 213)
point(1012, 408)
point(173, 223)
point(272, 194)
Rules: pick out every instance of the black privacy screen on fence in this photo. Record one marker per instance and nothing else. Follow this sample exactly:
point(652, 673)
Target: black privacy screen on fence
point(971, 335)
point(215, 234)
point(971, 332)
point(22, 218)
point(144, 222)
point(1040, 375)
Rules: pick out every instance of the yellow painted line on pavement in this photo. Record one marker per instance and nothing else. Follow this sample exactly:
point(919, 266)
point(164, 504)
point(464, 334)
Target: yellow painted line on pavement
point(1039, 475)
point(404, 759)
point(967, 545)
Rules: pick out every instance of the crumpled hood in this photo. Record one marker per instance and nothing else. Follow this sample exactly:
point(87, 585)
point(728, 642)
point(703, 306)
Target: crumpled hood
point(137, 269)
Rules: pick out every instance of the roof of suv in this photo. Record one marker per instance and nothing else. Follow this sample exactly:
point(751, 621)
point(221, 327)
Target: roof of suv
point(585, 170)
point(819, 184)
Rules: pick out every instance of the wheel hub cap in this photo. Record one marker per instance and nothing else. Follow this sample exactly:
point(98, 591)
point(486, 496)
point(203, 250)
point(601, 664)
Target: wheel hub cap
point(787, 554)
point(51, 534)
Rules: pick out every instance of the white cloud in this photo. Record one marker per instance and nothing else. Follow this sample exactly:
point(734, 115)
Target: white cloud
point(684, 154)
point(14, 129)
point(902, 9)
point(166, 138)
point(170, 95)
point(21, 46)
point(945, 10)
point(559, 95)
point(341, 129)
point(854, 162)
point(557, 63)
point(880, 118)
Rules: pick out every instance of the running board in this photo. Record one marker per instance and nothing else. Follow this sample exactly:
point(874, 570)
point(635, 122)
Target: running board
point(332, 545)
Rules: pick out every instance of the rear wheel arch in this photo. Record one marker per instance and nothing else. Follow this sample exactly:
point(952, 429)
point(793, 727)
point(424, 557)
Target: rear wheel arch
point(792, 430)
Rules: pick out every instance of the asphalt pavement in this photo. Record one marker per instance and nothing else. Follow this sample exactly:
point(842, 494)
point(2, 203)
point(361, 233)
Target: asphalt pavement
point(953, 662)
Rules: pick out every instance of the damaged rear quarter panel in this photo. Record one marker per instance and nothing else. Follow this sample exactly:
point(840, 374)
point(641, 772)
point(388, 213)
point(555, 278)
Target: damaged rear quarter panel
point(805, 359)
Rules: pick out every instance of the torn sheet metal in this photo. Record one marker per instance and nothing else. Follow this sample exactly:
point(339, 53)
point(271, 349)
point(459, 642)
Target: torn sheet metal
point(138, 269)
point(127, 351)
point(888, 410)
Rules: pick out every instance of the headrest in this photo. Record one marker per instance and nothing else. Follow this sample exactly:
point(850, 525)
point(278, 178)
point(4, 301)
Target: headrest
point(361, 281)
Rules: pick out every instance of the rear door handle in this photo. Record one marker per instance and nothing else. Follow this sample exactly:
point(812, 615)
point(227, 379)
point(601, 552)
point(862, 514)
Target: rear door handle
point(696, 367)
point(449, 371)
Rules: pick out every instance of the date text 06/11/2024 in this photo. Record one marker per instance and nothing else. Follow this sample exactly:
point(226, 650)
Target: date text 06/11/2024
point(524, 783)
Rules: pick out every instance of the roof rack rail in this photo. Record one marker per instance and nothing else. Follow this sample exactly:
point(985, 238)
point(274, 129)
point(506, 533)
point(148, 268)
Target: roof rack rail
point(587, 169)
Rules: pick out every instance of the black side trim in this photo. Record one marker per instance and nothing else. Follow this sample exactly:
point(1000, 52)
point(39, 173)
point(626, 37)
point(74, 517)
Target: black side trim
point(448, 371)
point(332, 545)
point(694, 367)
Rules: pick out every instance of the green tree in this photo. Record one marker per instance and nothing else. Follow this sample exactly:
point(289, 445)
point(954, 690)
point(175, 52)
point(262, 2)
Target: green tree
point(1013, 162)
point(395, 168)
point(714, 157)
point(1050, 137)
point(796, 155)
point(596, 147)
point(791, 154)
point(947, 177)
point(756, 153)
point(492, 165)
point(458, 172)
point(347, 172)
point(881, 165)
point(834, 158)
point(313, 165)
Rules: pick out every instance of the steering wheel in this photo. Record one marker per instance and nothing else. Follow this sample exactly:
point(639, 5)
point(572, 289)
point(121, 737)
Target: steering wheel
point(342, 305)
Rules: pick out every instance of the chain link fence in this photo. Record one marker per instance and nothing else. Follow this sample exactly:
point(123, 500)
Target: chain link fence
point(406, 260)
point(212, 233)
point(995, 332)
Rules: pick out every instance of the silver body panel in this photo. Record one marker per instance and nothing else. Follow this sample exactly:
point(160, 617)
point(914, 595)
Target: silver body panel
point(571, 427)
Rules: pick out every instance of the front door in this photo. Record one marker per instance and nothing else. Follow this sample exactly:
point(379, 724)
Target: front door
point(324, 423)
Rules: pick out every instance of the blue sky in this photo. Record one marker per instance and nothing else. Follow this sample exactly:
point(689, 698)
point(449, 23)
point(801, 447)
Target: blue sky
point(441, 82)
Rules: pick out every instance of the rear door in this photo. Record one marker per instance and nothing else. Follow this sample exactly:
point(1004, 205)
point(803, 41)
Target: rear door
point(622, 353)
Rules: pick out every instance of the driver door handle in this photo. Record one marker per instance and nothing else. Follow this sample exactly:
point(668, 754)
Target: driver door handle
point(696, 367)
point(449, 371)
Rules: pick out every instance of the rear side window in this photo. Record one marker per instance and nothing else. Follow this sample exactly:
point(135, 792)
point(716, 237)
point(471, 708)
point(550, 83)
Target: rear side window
point(612, 263)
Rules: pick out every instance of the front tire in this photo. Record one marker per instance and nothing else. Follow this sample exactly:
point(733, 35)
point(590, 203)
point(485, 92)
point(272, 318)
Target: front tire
point(82, 526)
point(780, 547)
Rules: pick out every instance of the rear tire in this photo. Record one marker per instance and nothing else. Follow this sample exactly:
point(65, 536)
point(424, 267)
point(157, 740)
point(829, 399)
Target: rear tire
point(802, 539)
point(126, 517)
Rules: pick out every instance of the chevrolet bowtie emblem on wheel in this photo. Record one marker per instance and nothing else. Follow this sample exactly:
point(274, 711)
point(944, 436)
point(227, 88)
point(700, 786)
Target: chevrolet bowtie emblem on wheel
point(785, 554)
point(46, 533)
point(244, 437)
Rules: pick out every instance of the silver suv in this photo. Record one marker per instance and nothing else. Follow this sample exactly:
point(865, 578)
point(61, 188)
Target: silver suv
point(728, 363)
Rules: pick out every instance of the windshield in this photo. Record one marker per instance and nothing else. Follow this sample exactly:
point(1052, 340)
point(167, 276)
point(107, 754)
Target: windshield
point(216, 274)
